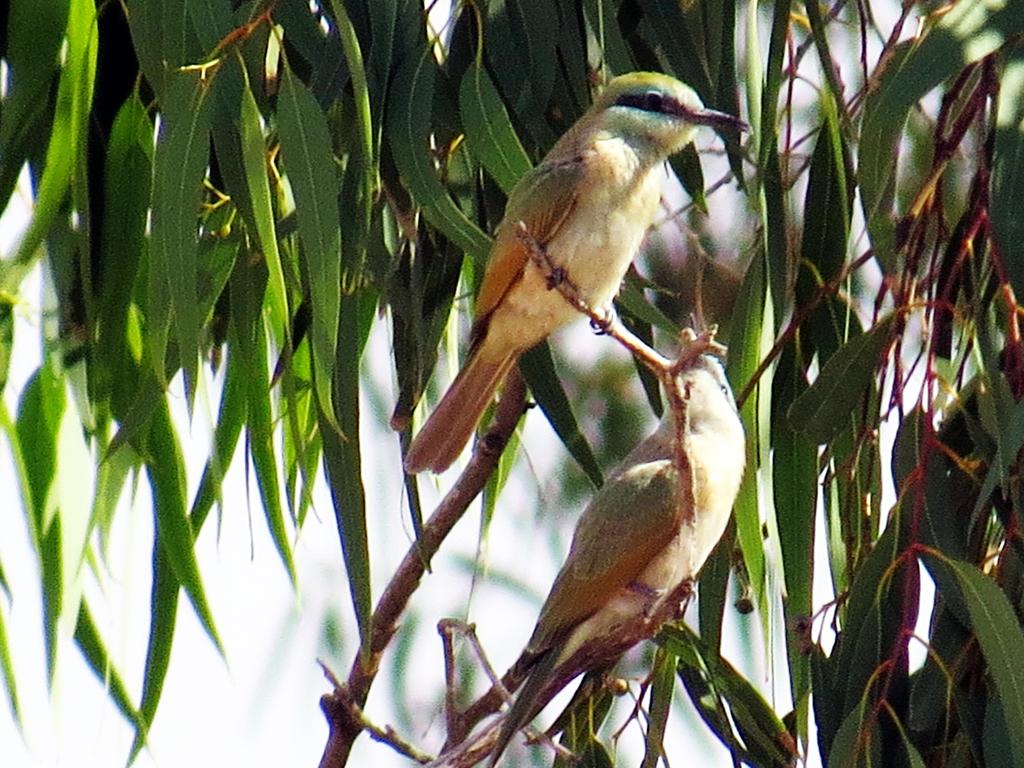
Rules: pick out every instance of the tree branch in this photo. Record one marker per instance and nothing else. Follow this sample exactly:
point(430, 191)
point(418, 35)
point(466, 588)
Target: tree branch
point(350, 697)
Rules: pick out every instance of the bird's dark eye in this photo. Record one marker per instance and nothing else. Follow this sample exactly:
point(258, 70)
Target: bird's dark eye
point(649, 101)
point(653, 101)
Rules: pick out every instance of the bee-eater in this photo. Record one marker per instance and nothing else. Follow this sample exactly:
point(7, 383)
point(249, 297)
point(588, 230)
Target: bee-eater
point(645, 532)
point(588, 205)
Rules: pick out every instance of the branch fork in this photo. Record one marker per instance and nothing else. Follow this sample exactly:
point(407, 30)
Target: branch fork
point(343, 706)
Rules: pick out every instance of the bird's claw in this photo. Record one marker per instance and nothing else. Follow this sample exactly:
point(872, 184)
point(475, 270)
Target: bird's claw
point(556, 277)
point(602, 324)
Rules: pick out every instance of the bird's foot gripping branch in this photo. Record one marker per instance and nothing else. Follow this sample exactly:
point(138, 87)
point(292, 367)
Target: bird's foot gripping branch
point(604, 319)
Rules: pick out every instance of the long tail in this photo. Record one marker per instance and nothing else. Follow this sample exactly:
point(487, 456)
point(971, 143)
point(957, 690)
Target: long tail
point(527, 704)
point(441, 440)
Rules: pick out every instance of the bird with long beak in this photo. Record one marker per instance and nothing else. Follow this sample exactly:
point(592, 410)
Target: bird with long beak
point(646, 532)
point(588, 205)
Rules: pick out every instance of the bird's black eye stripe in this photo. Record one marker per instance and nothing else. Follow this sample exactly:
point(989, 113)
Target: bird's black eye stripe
point(651, 101)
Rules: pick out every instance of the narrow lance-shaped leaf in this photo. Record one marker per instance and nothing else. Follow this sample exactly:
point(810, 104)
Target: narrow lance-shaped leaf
point(364, 117)
point(161, 33)
point(89, 641)
point(712, 682)
point(967, 33)
point(343, 465)
point(248, 372)
point(254, 163)
point(1007, 195)
point(489, 131)
point(40, 413)
point(750, 328)
point(230, 418)
point(10, 683)
point(538, 369)
point(163, 608)
point(128, 171)
point(409, 133)
point(794, 486)
point(309, 164)
point(662, 688)
point(260, 430)
point(165, 470)
point(824, 408)
point(998, 631)
point(34, 35)
point(67, 139)
point(521, 50)
point(179, 167)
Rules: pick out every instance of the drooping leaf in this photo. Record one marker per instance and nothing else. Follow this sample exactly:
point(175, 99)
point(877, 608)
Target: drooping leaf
point(1007, 191)
point(857, 743)
point(343, 460)
point(34, 34)
point(795, 496)
point(67, 145)
point(39, 415)
point(662, 687)
point(254, 161)
point(747, 339)
point(409, 130)
point(759, 737)
point(10, 682)
point(999, 634)
point(306, 146)
point(89, 641)
point(824, 408)
point(365, 124)
point(521, 37)
point(163, 610)
point(968, 32)
point(489, 131)
point(162, 31)
point(249, 353)
point(179, 166)
point(538, 369)
point(128, 172)
point(165, 471)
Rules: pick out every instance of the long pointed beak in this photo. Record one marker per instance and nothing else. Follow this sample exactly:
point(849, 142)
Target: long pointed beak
point(717, 120)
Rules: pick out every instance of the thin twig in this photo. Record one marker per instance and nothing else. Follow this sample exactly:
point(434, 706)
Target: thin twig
point(451, 712)
point(593, 654)
point(449, 627)
point(609, 323)
point(386, 735)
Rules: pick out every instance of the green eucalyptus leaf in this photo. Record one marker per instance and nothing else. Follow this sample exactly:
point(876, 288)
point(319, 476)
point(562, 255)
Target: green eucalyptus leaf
point(999, 634)
point(409, 136)
point(179, 166)
point(821, 411)
point(1007, 190)
point(343, 460)
point(489, 131)
point(306, 146)
point(538, 369)
point(966, 33)
point(68, 137)
point(89, 641)
point(165, 471)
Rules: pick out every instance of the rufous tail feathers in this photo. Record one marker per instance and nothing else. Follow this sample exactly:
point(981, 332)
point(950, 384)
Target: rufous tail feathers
point(440, 441)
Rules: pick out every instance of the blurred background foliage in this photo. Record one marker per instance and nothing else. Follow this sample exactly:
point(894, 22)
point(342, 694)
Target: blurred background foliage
point(246, 188)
